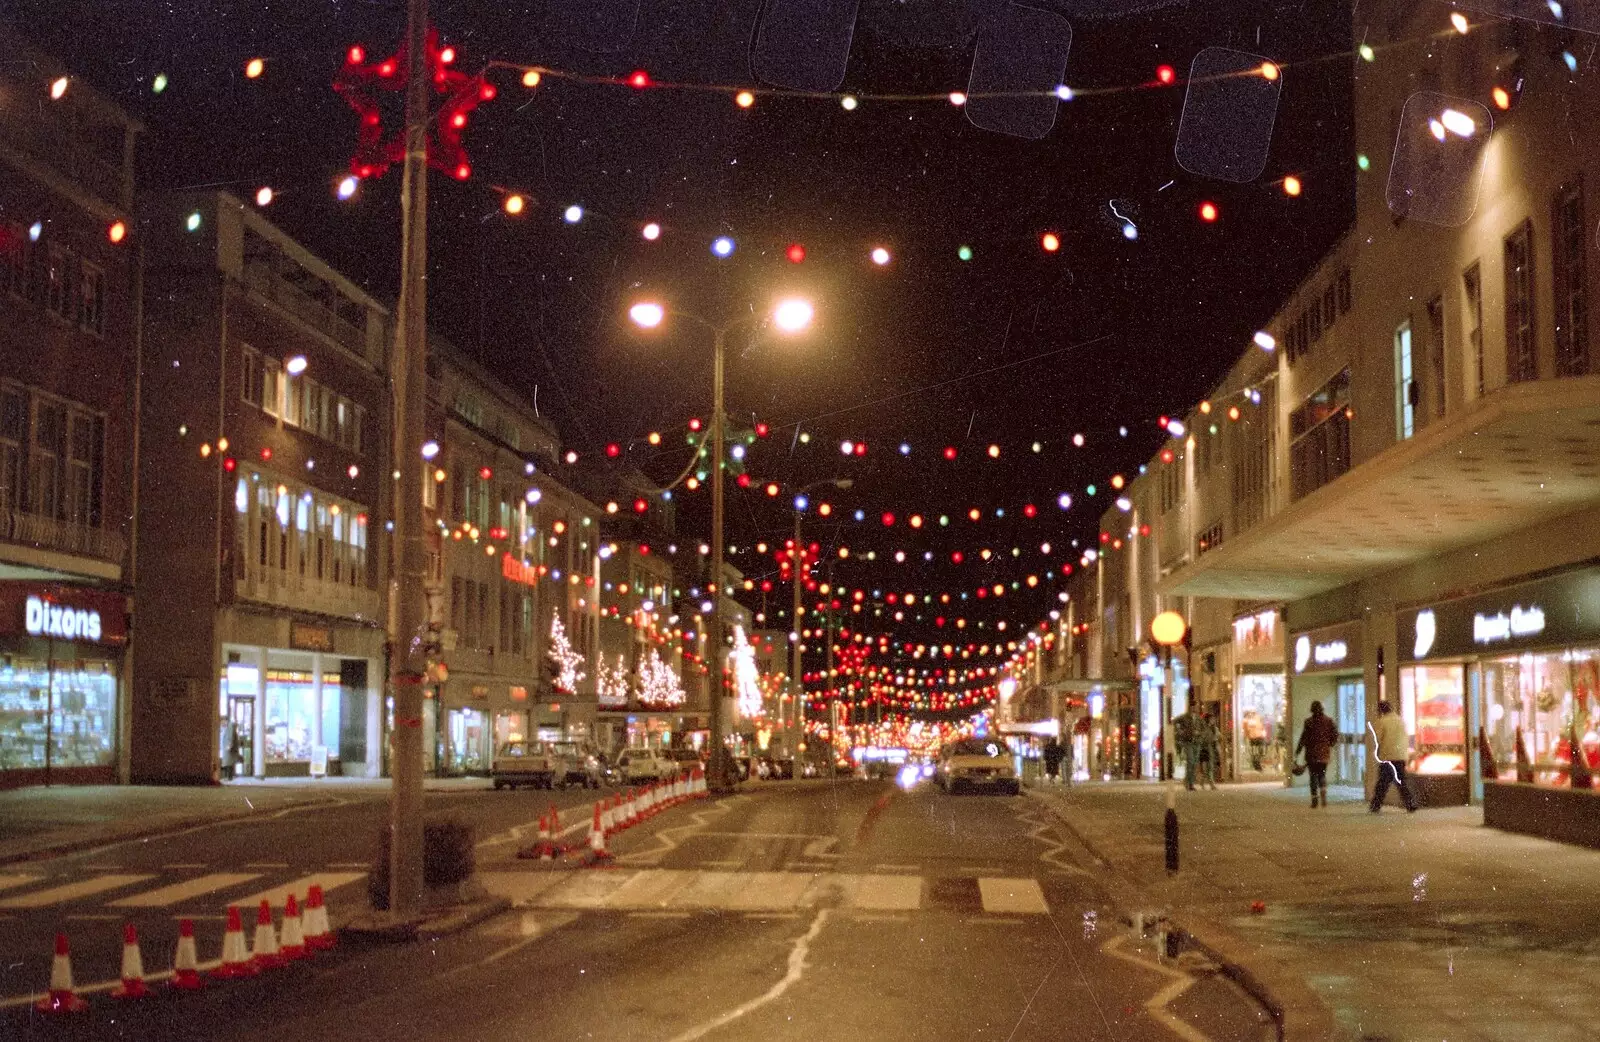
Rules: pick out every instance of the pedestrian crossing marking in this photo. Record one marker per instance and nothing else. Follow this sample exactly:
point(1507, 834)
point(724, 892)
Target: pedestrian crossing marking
point(277, 896)
point(657, 889)
point(653, 889)
point(165, 896)
point(72, 891)
point(890, 893)
point(9, 882)
point(1012, 896)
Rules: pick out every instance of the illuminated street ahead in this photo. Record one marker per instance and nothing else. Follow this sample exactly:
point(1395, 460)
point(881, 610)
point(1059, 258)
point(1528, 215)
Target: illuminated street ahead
point(792, 911)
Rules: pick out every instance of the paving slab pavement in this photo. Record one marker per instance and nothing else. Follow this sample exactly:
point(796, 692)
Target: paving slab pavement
point(44, 821)
point(1381, 928)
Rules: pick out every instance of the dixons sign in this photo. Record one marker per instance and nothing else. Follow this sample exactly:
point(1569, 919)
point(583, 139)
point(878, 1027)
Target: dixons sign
point(63, 613)
point(1563, 610)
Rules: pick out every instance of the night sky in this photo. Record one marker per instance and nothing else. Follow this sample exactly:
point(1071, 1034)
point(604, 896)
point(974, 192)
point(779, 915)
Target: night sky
point(1013, 346)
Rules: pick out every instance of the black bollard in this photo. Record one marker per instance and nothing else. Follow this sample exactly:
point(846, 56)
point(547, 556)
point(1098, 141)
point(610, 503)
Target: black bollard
point(1172, 829)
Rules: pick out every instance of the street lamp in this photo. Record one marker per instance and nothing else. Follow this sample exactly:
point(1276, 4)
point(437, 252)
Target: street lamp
point(843, 484)
point(790, 316)
point(1168, 629)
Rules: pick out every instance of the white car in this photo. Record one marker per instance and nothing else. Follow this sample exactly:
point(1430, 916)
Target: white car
point(646, 765)
point(973, 763)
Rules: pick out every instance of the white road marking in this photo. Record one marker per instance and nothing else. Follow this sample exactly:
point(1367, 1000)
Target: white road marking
point(72, 891)
point(268, 864)
point(1157, 1004)
point(277, 896)
point(182, 865)
point(93, 917)
point(889, 893)
point(363, 865)
point(660, 915)
point(9, 881)
point(1012, 896)
point(197, 887)
point(897, 868)
point(796, 970)
point(520, 888)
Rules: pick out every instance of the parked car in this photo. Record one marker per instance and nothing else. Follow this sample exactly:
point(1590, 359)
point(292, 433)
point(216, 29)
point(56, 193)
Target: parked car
point(544, 765)
point(977, 763)
point(687, 759)
point(646, 765)
point(745, 767)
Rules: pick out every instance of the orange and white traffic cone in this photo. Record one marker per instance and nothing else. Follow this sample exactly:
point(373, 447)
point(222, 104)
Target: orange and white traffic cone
point(235, 957)
point(293, 943)
point(598, 854)
point(631, 817)
point(185, 965)
point(132, 986)
point(608, 820)
point(318, 936)
point(61, 998)
point(264, 952)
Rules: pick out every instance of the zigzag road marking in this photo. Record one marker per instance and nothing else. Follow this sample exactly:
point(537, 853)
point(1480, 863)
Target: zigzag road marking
point(664, 838)
point(1157, 1005)
point(1043, 832)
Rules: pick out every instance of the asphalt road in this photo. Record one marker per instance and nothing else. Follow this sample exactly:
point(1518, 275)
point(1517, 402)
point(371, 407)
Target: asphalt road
point(795, 910)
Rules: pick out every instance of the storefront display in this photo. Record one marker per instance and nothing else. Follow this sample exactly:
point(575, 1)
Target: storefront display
point(291, 708)
point(60, 660)
point(1533, 706)
point(467, 746)
point(1260, 703)
point(1433, 704)
point(1326, 665)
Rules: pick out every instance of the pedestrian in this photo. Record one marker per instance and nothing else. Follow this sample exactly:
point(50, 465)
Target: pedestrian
point(1391, 747)
point(1210, 741)
point(1316, 740)
point(1052, 759)
point(1066, 760)
point(1186, 731)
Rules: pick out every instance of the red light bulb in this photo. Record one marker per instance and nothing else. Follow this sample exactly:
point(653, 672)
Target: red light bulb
point(1165, 74)
point(639, 79)
point(355, 56)
point(950, 452)
point(1208, 211)
point(796, 253)
point(463, 171)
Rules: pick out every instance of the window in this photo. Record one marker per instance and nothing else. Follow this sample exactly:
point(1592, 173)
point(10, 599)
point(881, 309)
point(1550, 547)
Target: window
point(1472, 293)
point(58, 284)
point(291, 399)
point(1571, 271)
point(250, 375)
point(1344, 291)
point(1405, 387)
point(18, 259)
point(1522, 362)
point(1314, 320)
point(45, 461)
point(85, 449)
point(1208, 540)
point(457, 600)
point(1320, 428)
point(357, 429)
point(1171, 483)
point(1434, 403)
point(91, 299)
point(1330, 306)
point(13, 445)
point(430, 490)
point(271, 386)
point(483, 615)
point(311, 405)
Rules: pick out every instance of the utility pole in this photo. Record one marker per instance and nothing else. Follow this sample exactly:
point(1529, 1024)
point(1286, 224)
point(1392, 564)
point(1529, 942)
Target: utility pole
point(718, 766)
point(797, 684)
point(407, 662)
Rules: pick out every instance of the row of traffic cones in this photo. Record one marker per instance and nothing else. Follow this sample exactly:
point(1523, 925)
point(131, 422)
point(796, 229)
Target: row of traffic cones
point(300, 938)
point(614, 814)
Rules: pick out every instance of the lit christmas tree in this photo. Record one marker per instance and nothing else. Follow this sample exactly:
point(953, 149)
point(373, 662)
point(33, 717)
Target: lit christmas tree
point(567, 661)
point(613, 682)
point(658, 682)
point(746, 675)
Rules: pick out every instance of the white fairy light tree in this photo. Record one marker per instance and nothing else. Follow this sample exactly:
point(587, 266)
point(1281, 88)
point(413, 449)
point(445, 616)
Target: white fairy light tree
point(565, 659)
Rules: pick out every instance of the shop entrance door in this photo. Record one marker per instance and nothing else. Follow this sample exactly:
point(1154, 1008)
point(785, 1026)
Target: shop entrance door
point(239, 738)
point(1351, 696)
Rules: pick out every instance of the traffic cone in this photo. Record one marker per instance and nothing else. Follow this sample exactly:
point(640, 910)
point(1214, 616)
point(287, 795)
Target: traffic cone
point(185, 969)
point(608, 820)
point(597, 840)
point(265, 953)
point(293, 944)
point(235, 958)
point(132, 986)
point(631, 817)
point(543, 849)
point(318, 936)
point(61, 998)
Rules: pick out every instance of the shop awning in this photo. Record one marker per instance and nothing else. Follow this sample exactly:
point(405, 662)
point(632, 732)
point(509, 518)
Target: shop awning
point(1524, 454)
point(1086, 685)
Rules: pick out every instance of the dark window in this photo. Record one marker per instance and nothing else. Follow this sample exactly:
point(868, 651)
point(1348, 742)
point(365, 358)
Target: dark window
point(250, 376)
point(1434, 406)
point(1314, 320)
point(1330, 306)
point(1344, 291)
point(13, 445)
point(1320, 428)
point(18, 259)
point(58, 284)
point(1522, 361)
point(1472, 291)
point(91, 299)
point(1571, 271)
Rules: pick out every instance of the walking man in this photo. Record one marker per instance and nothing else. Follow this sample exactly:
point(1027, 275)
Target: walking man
point(1185, 731)
point(1316, 741)
point(1052, 759)
point(1391, 747)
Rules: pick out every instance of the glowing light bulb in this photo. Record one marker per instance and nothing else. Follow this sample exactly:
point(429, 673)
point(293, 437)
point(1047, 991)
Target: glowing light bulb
point(1459, 21)
point(573, 214)
point(880, 256)
point(848, 103)
point(1165, 74)
point(1436, 128)
point(796, 253)
point(1264, 340)
point(347, 186)
point(1064, 92)
point(1269, 71)
point(1367, 53)
point(515, 204)
point(254, 68)
point(158, 84)
point(744, 99)
point(1130, 232)
point(1208, 212)
point(651, 231)
point(263, 195)
point(722, 246)
point(1502, 98)
point(957, 98)
point(1362, 162)
point(531, 78)
point(964, 253)
point(1458, 122)
point(639, 79)
point(58, 87)
point(117, 232)
point(1050, 241)
point(1291, 185)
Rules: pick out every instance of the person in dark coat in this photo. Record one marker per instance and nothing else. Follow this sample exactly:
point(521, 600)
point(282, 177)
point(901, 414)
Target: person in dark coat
point(1052, 758)
point(1316, 739)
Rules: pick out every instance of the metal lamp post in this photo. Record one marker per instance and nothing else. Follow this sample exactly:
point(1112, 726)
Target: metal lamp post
point(797, 684)
point(790, 316)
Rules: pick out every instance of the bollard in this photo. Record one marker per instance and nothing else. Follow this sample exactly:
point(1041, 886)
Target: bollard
point(1172, 827)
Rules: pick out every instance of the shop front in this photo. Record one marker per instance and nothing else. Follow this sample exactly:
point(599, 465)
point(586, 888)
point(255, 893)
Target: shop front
point(1213, 695)
point(1325, 665)
point(1260, 739)
point(61, 651)
point(1500, 692)
point(302, 708)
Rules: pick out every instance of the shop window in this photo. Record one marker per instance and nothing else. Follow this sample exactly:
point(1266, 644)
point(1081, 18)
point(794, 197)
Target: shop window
point(263, 520)
point(1532, 705)
point(1571, 271)
point(1263, 724)
point(91, 299)
point(291, 713)
point(1522, 362)
point(1405, 386)
point(1433, 706)
point(65, 704)
point(1472, 295)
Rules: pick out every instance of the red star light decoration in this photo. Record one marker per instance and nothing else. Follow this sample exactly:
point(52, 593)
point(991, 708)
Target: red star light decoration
point(359, 83)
